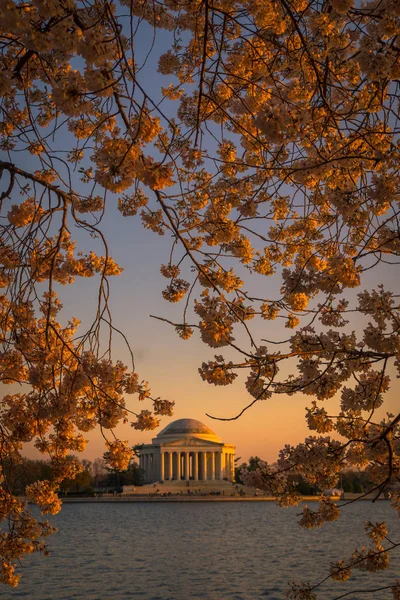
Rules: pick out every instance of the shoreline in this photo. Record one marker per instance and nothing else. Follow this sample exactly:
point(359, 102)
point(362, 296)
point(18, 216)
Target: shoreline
point(178, 498)
point(163, 499)
point(181, 498)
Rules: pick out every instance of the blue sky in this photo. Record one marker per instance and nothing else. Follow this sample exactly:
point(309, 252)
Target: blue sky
point(168, 363)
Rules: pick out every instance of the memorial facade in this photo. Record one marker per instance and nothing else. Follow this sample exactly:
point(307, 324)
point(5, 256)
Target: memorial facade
point(187, 450)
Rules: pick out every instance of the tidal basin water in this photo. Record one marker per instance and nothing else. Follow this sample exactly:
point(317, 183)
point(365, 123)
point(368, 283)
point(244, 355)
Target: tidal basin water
point(188, 551)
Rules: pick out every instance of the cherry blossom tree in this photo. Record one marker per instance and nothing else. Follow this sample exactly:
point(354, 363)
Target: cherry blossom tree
point(270, 150)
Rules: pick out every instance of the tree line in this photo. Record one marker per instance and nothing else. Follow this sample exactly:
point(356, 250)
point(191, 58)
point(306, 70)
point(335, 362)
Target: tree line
point(94, 477)
point(355, 481)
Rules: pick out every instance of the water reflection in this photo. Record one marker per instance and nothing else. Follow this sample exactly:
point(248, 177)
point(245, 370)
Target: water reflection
point(213, 551)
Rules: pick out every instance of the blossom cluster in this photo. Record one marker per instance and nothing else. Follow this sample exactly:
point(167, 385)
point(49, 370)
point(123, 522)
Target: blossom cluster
point(277, 156)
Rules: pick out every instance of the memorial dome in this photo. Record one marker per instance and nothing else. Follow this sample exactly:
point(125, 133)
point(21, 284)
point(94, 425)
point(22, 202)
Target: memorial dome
point(183, 428)
point(187, 450)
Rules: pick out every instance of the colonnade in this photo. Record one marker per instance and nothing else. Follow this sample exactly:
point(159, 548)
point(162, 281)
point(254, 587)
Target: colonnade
point(187, 465)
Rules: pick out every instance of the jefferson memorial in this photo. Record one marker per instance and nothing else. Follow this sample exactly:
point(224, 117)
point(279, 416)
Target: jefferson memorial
point(187, 450)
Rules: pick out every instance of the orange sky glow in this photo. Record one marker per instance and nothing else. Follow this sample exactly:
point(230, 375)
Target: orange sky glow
point(170, 365)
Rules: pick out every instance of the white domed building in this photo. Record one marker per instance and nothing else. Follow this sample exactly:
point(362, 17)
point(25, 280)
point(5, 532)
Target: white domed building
point(187, 450)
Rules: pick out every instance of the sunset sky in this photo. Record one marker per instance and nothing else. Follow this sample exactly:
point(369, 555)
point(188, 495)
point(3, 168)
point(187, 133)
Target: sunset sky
point(161, 357)
point(170, 364)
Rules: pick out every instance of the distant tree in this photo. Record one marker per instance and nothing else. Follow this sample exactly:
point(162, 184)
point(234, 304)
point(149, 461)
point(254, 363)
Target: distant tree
point(238, 470)
point(82, 481)
point(133, 475)
point(117, 478)
point(26, 472)
point(244, 467)
point(98, 470)
point(137, 450)
point(355, 481)
point(304, 488)
point(253, 462)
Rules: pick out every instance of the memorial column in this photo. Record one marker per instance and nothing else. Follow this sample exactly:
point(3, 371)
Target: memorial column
point(155, 466)
point(170, 471)
point(187, 465)
point(162, 466)
point(218, 474)
point(212, 465)
point(178, 466)
point(203, 465)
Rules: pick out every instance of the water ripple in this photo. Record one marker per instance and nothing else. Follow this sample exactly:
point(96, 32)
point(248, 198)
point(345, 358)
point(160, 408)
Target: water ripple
point(213, 551)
